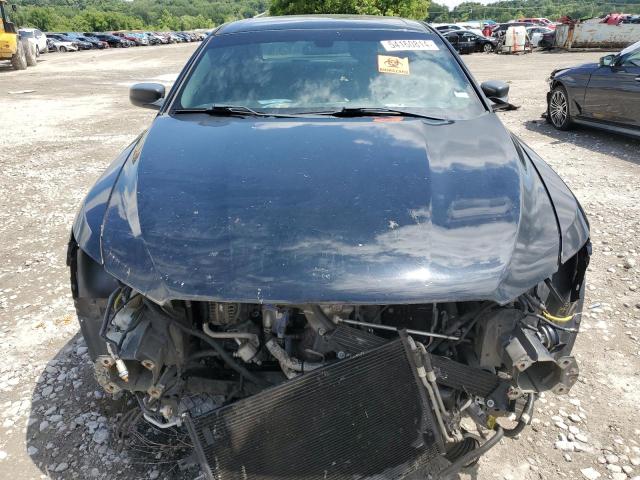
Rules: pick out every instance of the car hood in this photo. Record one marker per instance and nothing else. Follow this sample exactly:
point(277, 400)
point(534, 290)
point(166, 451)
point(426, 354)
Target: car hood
point(364, 210)
point(576, 68)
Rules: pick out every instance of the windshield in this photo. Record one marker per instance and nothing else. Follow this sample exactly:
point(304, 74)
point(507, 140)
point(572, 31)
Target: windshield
point(315, 70)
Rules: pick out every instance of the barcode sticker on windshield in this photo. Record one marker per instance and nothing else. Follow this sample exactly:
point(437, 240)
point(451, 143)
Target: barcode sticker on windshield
point(399, 45)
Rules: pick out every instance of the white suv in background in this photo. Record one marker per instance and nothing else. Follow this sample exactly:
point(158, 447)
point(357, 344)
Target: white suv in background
point(37, 37)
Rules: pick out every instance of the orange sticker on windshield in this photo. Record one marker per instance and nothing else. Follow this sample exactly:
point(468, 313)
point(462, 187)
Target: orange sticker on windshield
point(397, 65)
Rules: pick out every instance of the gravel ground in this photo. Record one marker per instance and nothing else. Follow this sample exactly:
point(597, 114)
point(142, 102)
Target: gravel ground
point(75, 117)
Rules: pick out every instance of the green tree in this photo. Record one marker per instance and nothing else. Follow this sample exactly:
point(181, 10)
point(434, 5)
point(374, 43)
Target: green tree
point(403, 8)
point(438, 13)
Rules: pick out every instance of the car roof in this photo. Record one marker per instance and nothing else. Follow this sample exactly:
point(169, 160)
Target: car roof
point(323, 22)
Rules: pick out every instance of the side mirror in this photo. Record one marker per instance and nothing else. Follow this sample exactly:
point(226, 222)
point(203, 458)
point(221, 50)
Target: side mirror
point(607, 61)
point(147, 95)
point(496, 89)
point(498, 92)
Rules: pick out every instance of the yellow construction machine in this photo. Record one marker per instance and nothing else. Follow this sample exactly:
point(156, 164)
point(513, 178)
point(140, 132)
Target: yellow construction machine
point(20, 52)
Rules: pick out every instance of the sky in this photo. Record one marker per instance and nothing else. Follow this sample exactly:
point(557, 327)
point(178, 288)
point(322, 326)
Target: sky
point(453, 3)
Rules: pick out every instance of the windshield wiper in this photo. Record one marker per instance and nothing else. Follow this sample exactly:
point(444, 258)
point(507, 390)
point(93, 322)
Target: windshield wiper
point(351, 112)
point(230, 111)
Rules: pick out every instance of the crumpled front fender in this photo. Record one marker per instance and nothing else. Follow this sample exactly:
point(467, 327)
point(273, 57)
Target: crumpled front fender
point(87, 226)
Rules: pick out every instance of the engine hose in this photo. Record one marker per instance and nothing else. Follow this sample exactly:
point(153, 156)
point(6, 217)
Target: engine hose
point(555, 325)
point(106, 320)
point(202, 354)
point(469, 457)
point(424, 371)
point(224, 355)
point(525, 418)
point(553, 318)
point(287, 362)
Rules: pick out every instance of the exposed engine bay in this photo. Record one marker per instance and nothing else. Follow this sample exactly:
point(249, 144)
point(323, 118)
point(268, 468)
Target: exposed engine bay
point(197, 363)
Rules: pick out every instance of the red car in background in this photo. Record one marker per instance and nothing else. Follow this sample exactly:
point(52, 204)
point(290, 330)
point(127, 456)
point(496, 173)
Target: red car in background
point(545, 22)
point(130, 38)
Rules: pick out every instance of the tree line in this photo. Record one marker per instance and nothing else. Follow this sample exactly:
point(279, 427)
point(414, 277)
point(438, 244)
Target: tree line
point(107, 15)
point(504, 11)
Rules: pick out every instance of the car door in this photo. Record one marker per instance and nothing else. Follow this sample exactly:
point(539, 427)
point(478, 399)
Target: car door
point(613, 92)
point(629, 90)
point(453, 39)
point(469, 41)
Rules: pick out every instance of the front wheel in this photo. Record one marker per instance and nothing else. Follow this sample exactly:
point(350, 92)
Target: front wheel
point(487, 48)
point(31, 55)
point(558, 113)
point(63, 49)
point(19, 59)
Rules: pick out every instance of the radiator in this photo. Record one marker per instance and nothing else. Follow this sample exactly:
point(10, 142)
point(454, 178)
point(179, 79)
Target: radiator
point(366, 417)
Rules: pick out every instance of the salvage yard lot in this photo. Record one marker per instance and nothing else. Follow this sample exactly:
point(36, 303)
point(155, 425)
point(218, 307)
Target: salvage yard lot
point(66, 119)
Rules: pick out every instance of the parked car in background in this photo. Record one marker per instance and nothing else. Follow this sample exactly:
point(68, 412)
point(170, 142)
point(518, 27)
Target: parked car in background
point(536, 34)
point(458, 27)
point(130, 38)
point(99, 44)
point(462, 42)
point(548, 40)
point(112, 40)
point(185, 36)
point(545, 22)
point(82, 45)
point(79, 37)
point(141, 38)
point(502, 28)
point(37, 37)
point(480, 42)
point(604, 95)
point(61, 46)
point(156, 39)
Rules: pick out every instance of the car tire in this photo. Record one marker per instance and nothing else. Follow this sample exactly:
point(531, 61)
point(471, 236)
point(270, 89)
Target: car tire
point(31, 55)
point(19, 59)
point(558, 111)
point(487, 48)
point(62, 49)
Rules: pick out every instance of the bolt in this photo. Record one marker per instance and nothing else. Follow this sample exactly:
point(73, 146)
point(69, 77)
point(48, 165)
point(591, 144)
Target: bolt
point(341, 355)
point(491, 403)
point(148, 364)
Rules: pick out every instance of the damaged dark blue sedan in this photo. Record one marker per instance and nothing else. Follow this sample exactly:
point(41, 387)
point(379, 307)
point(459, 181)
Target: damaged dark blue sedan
point(328, 259)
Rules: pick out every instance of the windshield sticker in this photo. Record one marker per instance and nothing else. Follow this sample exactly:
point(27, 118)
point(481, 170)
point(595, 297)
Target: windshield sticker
point(399, 45)
point(461, 94)
point(397, 65)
